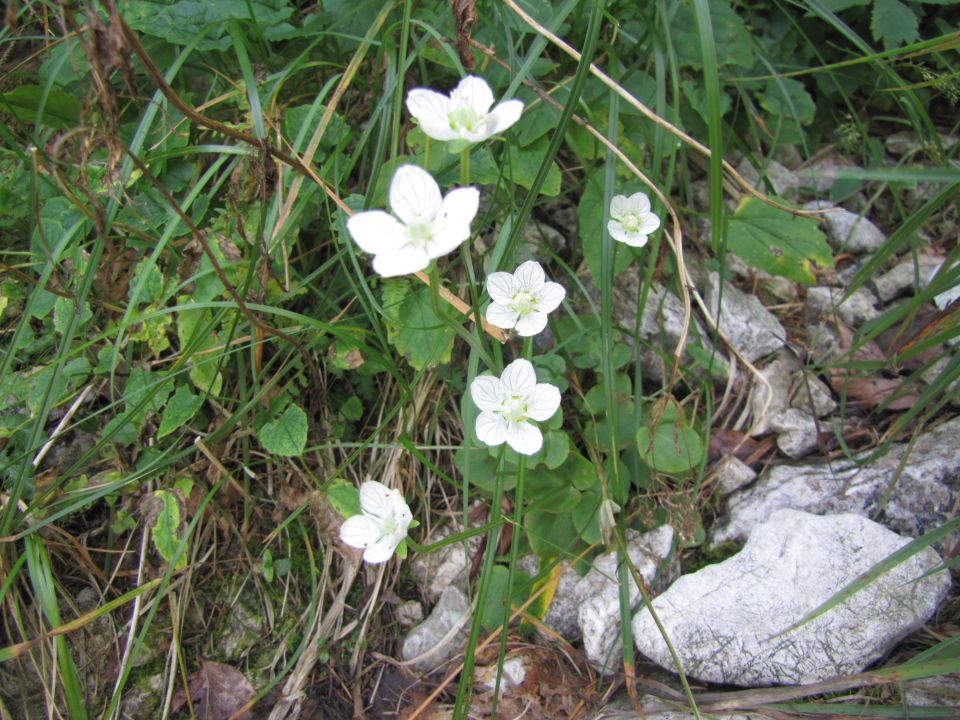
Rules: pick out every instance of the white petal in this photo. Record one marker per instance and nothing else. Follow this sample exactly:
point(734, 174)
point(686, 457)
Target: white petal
point(403, 261)
point(500, 287)
point(381, 551)
point(639, 203)
point(375, 231)
point(403, 514)
point(634, 239)
point(447, 237)
point(519, 378)
point(487, 392)
point(649, 223)
point(543, 402)
point(475, 92)
point(360, 531)
point(525, 438)
point(619, 234)
point(377, 499)
point(531, 323)
point(551, 296)
point(491, 429)
point(501, 316)
point(530, 275)
point(503, 116)
point(414, 194)
point(619, 206)
point(432, 111)
point(460, 205)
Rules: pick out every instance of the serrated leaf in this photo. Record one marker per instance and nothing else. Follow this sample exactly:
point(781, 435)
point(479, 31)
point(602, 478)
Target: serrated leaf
point(59, 110)
point(525, 163)
point(287, 435)
point(344, 497)
point(165, 531)
point(776, 241)
point(893, 23)
point(179, 411)
point(417, 332)
point(63, 311)
point(179, 21)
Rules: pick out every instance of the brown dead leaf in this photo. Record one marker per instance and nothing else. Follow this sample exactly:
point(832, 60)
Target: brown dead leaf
point(465, 14)
point(723, 442)
point(217, 691)
point(872, 391)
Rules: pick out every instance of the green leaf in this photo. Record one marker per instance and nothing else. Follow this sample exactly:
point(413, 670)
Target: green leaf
point(344, 497)
point(417, 332)
point(893, 23)
point(776, 241)
point(590, 214)
point(165, 531)
point(586, 518)
point(734, 45)
point(287, 435)
point(672, 448)
point(179, 411)
point(525, 163)
point(63, 311)
point(60, 110)
point(550, 533)
point(179, 21)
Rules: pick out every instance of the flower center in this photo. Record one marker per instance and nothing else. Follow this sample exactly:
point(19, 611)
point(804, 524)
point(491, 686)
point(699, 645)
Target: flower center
point(388, 526)
point(523, 302)
point(515, 409)
point(630, 222)
point(419, 232)
point(464, 117)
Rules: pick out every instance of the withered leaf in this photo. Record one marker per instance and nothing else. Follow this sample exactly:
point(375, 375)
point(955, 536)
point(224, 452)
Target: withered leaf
point(723, 442)
point(465, 14)
point(217, 691)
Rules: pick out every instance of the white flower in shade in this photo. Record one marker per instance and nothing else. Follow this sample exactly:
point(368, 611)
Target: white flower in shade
point(428, 226)
point(522, 300)
point(631, 220)
point(508, 404)
point(381, 525)
point(465, 115)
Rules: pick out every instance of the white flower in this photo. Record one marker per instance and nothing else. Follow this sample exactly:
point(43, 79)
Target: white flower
point(382, 524)
point(465, 115)
point(428, 226)
point(523, 299)
point(509, 403)
point(631, 220)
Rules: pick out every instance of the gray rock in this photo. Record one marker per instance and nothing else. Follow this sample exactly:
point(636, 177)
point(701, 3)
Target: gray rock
point(653, 708)
point(409, 613)
point(910, 495)
point(599, 611)
point(733, 474)
point(820, 176)
point(906, 141)
point(780, 180)
point(536, 234)
point(904, 274)
point(242, 630)
point(796, 433)
point(810, 394)
point(751, 328)
point(779, 375)
point(447, 566)
point(728, 621)
point(439, 637)
point(827, 303)
point(937, 691)
point(562, 614)
point(848, 231)
point(823, 341)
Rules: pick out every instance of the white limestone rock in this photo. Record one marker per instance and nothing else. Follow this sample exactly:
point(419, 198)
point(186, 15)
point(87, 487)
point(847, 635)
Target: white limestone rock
point(728, 621)
point(440, 636)
point(827, 303)
point(751, 328)
point(598, 613)
point(733, 474)
point(796, 433)
point(909, 495)
point(447, 566)
point(904, 274)
point(779, 179)
point(847, 231)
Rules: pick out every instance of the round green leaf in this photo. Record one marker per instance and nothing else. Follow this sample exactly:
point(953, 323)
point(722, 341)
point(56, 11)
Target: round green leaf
point(287, 435)
point(672, 448)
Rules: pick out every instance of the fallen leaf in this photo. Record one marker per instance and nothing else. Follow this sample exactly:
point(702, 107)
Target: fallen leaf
point(217, 691)
point(723, 442)
point(872, 391)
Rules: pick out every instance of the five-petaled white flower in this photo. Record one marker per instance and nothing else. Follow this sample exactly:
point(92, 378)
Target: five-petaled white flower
point(508, 404)
point(522, 299)
point(428, 226)
point(631, 220)
point(382, 524)
point(465, 115)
